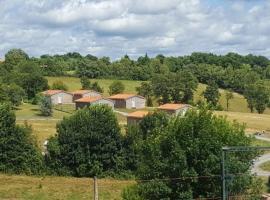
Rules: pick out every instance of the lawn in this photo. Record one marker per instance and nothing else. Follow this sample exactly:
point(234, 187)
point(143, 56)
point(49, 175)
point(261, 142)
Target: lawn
point(237, 104)
point(265, 166)
point(253, 121)
point(58, 188)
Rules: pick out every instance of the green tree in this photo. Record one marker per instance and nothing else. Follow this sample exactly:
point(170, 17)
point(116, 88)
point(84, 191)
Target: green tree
point(211, 93)
point(18, 149)
point(258, 96)
point(116, 87)
point(228, 96)
point(85, 82)
point(146, 91)
point(45, 106)
point(11, 93)
point(13, 57)
point(162, 87)
point(96, 87)
point(88, 143)
point(59, 85)
point(179, 150)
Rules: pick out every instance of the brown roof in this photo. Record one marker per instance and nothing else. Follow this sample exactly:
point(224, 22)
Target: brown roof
point(83, 91)
point(138, 114)
point(88, 99)
point(172, 106)
point(52, 92)
point(124, 96)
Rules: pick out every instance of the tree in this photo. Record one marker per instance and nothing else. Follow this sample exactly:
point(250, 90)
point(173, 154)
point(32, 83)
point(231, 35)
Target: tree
point(19, 152)
point(96, 87)
point(258, 96)
point(178, 150)
point(45, 106)
point(88, 143)
point(85, 82)
point(59, 85)
point(116, 87)
point(162, 87)
point(146, 91)
point(11, 93)
point(229, 96)
point(13, 57)
point(211, 94)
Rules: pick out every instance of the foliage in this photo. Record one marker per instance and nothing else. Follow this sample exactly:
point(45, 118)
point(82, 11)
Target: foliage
point(211, 94)
point(258, 96)
point(116, 87)
point(18, 150)
point(11, 93)
point(85, 82)
point(86, 85)
point(45, 106)
point(13, 57)
point(191, 147)
point(88, 143)
point(146, 91)
point(229, 96)
point(59, 85)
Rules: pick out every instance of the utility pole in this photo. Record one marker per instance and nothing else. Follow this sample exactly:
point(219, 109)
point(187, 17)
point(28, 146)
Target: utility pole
point(95, 188)
point(225, 150)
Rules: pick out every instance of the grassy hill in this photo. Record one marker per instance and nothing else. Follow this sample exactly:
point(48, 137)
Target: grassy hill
point(237, 104)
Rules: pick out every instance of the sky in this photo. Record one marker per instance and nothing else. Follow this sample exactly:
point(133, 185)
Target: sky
point(134, 27)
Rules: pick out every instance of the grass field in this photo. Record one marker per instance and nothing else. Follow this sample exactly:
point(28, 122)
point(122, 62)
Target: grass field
point(265, 166)
point(58, 188)
point(237, 104)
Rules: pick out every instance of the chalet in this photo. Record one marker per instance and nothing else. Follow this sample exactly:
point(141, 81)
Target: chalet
point(85, 93)
point(87, 101)
point(174, 109)
point(58, 96)
point(128, 101)
point(135, 117)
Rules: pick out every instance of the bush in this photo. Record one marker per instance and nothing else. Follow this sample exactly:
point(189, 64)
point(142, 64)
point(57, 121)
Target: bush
point(116, 87)
point(45, 106)
point(18, 149)
point(88, 144)
point(59, 85)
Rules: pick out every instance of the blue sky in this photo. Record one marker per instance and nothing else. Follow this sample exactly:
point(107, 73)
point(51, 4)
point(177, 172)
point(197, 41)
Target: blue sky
point(117, 27)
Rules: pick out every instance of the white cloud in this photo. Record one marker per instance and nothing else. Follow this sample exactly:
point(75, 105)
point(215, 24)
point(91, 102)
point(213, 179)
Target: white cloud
point(116, 27)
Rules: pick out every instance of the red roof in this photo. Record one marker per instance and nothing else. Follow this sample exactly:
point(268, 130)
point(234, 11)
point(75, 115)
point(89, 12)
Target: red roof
point(124, 96)
point(88, 99)
point(138, 114)
point(52, 92)
point(172, 106)
point(80, 92)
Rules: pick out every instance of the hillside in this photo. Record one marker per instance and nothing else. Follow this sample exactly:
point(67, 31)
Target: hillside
point(237, 104)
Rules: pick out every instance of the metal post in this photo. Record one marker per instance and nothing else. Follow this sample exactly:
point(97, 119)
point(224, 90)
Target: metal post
point(95, 189)
point(223, 175)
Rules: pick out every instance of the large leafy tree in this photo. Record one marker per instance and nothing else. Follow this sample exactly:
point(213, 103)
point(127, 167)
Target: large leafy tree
point(191, 147)
point(146, 91)
point(258, 96)
point(13, 57)
point(116, 87)
point(88, 143)
point(11, 93)
point(18, 150)
point(211, 94)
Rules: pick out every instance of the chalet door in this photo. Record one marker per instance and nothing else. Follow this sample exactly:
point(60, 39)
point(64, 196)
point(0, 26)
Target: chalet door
point(60, 99)
point(133, 104)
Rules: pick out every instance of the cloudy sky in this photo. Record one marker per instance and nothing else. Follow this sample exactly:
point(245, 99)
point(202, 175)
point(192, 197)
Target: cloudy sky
point(117, 27)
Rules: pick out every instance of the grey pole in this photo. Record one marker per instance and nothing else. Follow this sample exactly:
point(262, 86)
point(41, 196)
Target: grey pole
point(95, 188)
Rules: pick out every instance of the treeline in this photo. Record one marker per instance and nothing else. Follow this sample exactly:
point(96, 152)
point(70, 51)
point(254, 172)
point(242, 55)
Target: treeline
point(175, 157)
point(174, 79)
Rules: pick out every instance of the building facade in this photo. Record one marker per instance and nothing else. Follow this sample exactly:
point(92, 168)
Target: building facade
point(85, 93)
point(88, 101)
point(129, 101)
point(134, 118)
point(175, 109)
point(59, 96)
